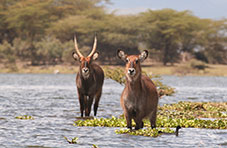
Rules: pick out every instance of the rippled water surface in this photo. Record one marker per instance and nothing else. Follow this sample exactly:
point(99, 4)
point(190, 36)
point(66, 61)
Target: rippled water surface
point(52, 101)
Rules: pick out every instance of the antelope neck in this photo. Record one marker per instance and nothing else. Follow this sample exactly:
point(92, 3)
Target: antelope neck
point(134, 85)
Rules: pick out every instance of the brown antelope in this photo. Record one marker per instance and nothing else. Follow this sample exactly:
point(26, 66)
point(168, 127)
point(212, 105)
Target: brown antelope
point(139, 98)
point(89, 79)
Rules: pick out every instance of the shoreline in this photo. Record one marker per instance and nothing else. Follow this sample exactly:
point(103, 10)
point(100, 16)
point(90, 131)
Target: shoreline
point(156, 69)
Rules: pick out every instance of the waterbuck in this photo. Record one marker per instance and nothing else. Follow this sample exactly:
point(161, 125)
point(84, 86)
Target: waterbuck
point(89, 79)
point(139, 98)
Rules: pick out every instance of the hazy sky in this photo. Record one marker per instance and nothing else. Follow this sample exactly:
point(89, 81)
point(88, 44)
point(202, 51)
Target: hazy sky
point(215, 9)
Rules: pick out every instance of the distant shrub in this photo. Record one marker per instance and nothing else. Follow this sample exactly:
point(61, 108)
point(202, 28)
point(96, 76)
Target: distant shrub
point(116, 74)
point(196, 64)
point(191, 67)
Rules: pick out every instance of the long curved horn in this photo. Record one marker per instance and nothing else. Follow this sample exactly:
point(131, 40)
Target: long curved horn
point(94, 47)
point(76, 47)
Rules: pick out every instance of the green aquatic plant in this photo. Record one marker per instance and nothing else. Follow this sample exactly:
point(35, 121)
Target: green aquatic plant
point(190, 110)
point(184, 114)
point(94, 146)
point(118, 75)
point(148, 132)
point(193, 123)
point(73, 141)
point(25, 117)
point(108, 122)
point(161, 122)
point(205, 106)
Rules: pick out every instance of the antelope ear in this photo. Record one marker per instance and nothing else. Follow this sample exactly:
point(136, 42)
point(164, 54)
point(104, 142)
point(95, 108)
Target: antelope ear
point(121, 55)
point(75, 56)
point(143, 55)
point(95, 56)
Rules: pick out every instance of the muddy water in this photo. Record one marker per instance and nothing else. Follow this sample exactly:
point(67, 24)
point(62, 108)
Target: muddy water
point(52, 101)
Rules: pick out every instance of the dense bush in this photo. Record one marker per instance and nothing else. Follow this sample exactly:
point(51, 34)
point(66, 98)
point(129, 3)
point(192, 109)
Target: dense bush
point(191, 67)
point(196, 64)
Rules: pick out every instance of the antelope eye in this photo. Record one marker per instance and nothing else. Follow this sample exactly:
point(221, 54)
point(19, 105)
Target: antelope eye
point(137, 61)
point(127, 60)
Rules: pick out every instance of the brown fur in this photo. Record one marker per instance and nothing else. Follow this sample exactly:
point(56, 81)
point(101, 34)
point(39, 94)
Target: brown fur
point(90, 88)
point(139, 98)
point(89, 79)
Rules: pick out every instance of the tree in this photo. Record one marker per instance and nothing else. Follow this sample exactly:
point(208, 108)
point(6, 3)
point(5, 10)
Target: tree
point(169, 32)
point(8, 56)
point(213, 41)
point(5, 34)
point(29, 19)
point(113, 32)
point(28, 24)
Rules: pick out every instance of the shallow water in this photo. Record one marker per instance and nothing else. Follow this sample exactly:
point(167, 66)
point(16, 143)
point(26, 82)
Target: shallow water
point(52, 101)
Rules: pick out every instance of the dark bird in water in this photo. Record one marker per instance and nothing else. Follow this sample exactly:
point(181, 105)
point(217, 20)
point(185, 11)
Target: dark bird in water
point(176, 132)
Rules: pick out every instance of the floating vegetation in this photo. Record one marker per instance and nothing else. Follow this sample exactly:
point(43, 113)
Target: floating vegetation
point(25, 117)
point(184, 114)
point(94, 146)
point(103, 122)
point(193, 123)
point(73, 141)
point(161, 122)
point(118, 75)
point(148, 132)
point(204, 106)
point(191, 110)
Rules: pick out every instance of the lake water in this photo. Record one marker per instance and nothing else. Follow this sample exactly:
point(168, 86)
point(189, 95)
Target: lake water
point(52, 101)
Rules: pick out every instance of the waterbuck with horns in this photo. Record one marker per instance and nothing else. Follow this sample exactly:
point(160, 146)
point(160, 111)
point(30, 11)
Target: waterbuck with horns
point(139, 98)
point(89, 79)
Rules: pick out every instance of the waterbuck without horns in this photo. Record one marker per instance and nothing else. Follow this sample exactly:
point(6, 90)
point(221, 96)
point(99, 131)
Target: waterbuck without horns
point(139, 98)
point(89, 79)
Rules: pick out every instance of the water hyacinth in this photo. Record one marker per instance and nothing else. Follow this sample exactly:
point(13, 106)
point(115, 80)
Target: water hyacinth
point(205, 106)
point(161, 122)
point(184, 114)
point(108, 122)
point(94, 146)
point(191, 110)
point(193, 123)
point(148, 132)
point(25, 117)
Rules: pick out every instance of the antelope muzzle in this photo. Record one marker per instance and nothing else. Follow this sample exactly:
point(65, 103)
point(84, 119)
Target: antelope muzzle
point(85, 70)
point(131, 72)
